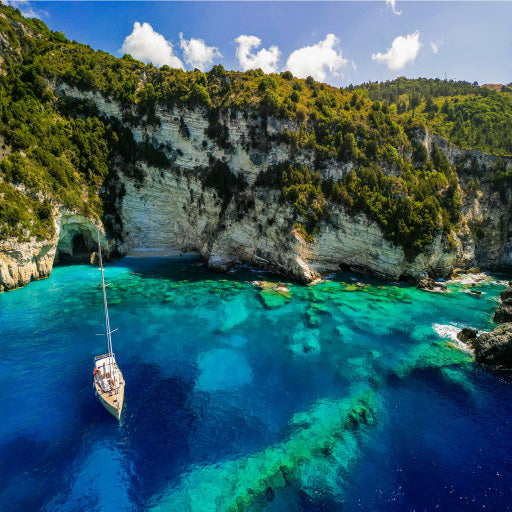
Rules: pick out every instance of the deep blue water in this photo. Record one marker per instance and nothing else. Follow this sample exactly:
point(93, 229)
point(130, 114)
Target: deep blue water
point(343, 397)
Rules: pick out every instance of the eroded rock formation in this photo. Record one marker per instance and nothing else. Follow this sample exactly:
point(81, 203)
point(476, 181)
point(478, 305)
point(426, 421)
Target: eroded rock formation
point(22, 262)
point(172, 207)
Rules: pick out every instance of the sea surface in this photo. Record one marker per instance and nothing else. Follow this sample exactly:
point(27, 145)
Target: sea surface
point(348, 395)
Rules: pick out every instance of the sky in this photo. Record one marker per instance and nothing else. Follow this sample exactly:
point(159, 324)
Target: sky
point(338, 42)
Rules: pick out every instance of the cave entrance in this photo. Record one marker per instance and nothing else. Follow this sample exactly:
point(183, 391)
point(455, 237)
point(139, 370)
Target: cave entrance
point(80, 249)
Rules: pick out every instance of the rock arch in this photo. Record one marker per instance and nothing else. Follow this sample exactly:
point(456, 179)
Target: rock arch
point(77, 238)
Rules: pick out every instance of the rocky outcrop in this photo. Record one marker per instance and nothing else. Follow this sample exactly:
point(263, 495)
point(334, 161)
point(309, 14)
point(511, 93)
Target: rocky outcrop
point(467, 335)
point(507, 292)
point(504, 311)
point(22, 262)
point(495, 348)
point(25, 261)
point(426, 283)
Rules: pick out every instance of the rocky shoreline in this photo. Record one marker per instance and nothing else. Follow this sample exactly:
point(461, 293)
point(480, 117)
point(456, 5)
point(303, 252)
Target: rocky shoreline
point(494, 348)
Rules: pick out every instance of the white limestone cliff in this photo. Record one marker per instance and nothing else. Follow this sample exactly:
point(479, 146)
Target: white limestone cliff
point(171, 208)
point(25, 261)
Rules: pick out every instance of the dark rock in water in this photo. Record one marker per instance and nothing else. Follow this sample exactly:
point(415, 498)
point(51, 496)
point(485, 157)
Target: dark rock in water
point(504, 312)
point(507, 292)
point(495, 347)
point(428, 284)
point(467, 335)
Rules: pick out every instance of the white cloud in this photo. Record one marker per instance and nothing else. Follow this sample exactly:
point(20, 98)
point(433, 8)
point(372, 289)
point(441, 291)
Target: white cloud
point(25, 8)
point(313, 60)
point(147, 45)
point(392, 4)
point(197, 54)
point(404, 49)
point(264, 59)
point(436, 45)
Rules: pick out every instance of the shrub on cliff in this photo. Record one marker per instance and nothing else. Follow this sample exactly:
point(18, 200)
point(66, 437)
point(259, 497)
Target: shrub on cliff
point(410, 208)
point(226, 183)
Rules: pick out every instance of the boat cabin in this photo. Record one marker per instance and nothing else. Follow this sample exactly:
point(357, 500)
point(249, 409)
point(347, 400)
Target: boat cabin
point(106, 373)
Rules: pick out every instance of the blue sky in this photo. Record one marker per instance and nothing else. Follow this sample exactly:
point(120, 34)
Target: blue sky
point(333, 41)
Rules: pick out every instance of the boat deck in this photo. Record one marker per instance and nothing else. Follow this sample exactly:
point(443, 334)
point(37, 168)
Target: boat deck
point(113, 399)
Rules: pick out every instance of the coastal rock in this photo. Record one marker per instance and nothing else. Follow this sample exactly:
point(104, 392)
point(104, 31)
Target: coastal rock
point(426, 283)
point(467, 335)
point(495, 348)
point(504, 311)
point(22, 262)
point(507, 292)
point(25, 261)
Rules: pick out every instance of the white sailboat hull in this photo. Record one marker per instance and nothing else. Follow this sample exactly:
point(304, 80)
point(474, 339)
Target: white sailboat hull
point(112, 399)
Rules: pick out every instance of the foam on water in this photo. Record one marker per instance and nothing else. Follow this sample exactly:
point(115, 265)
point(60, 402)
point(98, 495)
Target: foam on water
point(240, 398)
point(450, 332)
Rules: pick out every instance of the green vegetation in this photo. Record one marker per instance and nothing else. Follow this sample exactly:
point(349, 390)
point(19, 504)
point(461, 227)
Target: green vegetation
point(61, 150)
point(225, 183)
point(410, 208)
point(64, 153)
point(468, 115)
point(303, 189)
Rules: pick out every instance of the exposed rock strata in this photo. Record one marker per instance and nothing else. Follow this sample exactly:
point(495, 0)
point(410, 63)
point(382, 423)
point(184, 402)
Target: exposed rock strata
point(22, 262)
point(173, 208)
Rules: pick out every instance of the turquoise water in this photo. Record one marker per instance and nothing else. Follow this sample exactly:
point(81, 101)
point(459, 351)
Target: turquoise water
point(347, 395)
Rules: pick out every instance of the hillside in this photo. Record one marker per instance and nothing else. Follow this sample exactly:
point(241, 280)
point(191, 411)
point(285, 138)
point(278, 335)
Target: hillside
point(467, 115)
point(84, 133)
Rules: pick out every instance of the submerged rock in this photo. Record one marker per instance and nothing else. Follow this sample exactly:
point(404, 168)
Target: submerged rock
point(495, 347)
point(314, 312)
point(273, 295)
point(273, 298)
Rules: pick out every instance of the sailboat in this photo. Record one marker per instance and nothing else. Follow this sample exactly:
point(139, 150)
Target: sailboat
point(108, 379)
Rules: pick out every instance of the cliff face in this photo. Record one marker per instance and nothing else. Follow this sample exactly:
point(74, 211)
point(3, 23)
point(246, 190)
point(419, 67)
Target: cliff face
point(485, 232)
point(22, 262)
point(173, 207)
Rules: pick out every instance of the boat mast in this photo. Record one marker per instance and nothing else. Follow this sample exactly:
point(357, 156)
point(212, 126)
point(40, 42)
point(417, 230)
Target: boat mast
point(107, 322)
